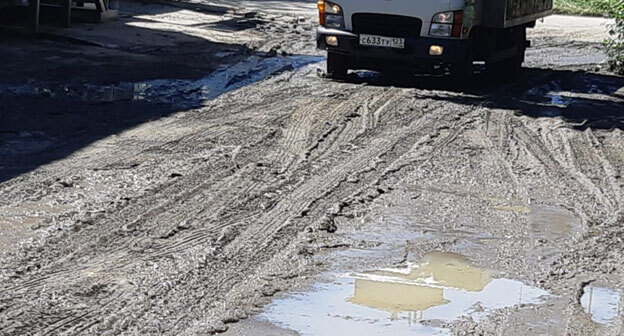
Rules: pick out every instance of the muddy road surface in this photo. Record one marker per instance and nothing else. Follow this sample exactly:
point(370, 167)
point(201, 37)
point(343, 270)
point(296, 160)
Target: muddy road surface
point(264, 199)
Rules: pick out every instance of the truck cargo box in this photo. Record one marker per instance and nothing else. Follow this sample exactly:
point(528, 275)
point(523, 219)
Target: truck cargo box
point(509, 13)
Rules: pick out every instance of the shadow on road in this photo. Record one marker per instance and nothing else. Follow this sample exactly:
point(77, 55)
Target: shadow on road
point(146, 42)
point(583, 99)
point(43, 122)
point(59, 96)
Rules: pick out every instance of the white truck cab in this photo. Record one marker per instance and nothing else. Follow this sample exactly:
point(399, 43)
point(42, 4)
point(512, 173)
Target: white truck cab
point(426, 35)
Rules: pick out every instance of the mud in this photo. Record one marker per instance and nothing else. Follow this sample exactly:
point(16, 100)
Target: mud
point(181, 93)
point(19, 222)
point(188, 197)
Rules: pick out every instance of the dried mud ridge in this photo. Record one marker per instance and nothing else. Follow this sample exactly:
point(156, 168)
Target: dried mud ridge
point(188, 223)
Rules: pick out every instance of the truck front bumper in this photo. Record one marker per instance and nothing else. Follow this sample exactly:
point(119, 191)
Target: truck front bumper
point(415, 54)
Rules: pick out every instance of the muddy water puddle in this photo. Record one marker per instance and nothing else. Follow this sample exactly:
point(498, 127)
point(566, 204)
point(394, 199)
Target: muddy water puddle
point(551, 231)
point(545, 221)
point(420, 299)
point(602, 304)
point(552, 222)
point(577, 98)
point(177, 92)
point(18, 223)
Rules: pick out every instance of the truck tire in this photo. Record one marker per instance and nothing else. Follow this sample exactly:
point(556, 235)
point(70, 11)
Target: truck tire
point(510, 68)
point(463, 70)
point(337, 65)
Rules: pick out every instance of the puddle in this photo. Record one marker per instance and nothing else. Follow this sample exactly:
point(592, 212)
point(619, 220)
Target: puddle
point(578, 98)
point(553, 222)
point(178, 92)
point(188, 93)
point(441, 288)
point(602, 304)
point(16, 223)
point(559, 100)
point(549, 95)
point(549, 222)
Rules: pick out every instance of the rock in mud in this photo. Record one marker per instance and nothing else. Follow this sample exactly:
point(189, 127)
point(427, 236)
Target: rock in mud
point(328, 224)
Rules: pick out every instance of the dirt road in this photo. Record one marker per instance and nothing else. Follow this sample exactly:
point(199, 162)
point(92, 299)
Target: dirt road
point(188, 205)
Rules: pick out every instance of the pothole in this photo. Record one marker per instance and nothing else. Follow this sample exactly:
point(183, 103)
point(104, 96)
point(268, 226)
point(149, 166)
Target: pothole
point(602, 304)
point(421, 299)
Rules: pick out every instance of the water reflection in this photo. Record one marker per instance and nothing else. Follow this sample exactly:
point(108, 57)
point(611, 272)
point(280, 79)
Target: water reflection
point(178, 92)
point(441, 287)
point(419, 287)
point(602, 304)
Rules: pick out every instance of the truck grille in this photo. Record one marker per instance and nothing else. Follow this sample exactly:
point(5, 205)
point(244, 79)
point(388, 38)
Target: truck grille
point(386, 25)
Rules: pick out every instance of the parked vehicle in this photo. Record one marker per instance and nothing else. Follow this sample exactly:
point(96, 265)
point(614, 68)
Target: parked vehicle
point(426, 35)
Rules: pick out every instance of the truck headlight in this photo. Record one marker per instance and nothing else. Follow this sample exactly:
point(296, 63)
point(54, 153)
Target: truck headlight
point(332, 8)
point(446, 17)
point(441, 29)
point(330, 14)
point(447, 24)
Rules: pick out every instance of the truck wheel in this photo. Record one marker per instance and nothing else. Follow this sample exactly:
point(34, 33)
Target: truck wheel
point(337, 65)
point(511, 67)
point(514, 64)
point(463, 70)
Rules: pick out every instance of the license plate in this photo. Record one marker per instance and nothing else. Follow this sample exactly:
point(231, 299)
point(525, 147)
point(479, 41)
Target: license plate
point(382, 41)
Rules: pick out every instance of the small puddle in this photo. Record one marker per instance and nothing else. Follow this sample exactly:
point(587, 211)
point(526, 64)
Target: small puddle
point(550, 98)
point(190, 93)
point(548, 222)
point(552, 222)
point(178, 92)
point(602, 304)
point(441, 288)
point(573, 96)
point(558, 100)
point(17, 223)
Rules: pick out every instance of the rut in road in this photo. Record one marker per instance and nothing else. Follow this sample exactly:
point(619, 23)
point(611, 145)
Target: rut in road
point(252, 174)
point(197, 220)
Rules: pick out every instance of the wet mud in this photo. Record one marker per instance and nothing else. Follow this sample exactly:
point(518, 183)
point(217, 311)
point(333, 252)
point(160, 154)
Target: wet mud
point(253, 196)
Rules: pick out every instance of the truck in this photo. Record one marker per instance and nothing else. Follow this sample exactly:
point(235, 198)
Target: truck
point(427, 36)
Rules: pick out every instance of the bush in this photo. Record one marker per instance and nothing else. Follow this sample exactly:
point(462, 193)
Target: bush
point(615, 44)
point(582, 7)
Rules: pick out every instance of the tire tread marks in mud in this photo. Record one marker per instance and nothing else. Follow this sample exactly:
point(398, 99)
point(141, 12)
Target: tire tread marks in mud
point(255, 169)
point(243, 207)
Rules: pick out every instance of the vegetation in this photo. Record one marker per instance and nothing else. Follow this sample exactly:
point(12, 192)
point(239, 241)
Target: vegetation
point(606, 8)
point(585, 7)
point(615, 44)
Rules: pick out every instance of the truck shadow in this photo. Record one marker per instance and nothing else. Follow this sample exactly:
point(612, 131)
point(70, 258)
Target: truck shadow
point(582, 99)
